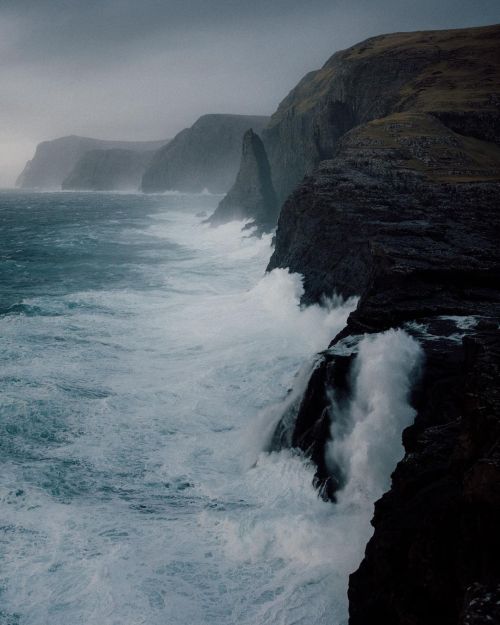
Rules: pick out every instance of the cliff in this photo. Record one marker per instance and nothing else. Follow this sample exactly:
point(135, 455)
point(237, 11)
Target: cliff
point(396, 168)
point(108, 170)
point(405, 214)
point(416, 251)
point(252, 196)
point(453, 75)
point(54, 160)
point(205, 156)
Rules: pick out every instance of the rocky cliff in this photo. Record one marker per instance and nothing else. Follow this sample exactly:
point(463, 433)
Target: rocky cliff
point(205, 156)
point(54, 160)
point(108, 170)
point(445, 73)
point(405, 214)
point(424, 256)
point(252, 196)
point(396, 167)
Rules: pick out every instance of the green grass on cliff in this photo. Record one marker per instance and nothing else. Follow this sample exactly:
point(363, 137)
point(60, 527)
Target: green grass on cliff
point(424, 144)
point(462, 73)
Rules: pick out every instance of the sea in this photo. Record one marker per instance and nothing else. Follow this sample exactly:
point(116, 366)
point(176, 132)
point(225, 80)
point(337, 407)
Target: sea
point(146, 358)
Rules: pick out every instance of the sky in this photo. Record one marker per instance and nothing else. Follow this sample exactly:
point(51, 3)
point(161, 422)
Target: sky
point(145, 69)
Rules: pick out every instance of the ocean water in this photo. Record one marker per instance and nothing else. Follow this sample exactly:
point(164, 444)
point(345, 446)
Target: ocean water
point(145, 360)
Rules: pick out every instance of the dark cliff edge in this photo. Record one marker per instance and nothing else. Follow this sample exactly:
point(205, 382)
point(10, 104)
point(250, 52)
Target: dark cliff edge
point(108, 170)
point(405, 214)
point(252, 196)
point(205, 156)
point(54, 160)
point(452, 74)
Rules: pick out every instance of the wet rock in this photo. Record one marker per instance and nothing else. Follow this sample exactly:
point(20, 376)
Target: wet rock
point(482, 605)
point(404, 213)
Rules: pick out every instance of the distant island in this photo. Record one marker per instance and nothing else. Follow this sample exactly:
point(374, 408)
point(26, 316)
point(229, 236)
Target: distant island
point(54, 161)
point(203, 157)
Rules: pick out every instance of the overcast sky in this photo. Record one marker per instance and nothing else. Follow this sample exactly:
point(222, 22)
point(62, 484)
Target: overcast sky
point(144, 69)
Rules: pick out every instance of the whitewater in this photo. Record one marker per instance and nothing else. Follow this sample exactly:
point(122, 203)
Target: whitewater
point(146, 358)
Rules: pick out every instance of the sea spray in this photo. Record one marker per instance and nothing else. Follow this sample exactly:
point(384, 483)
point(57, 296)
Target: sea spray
point(280, 293)
point(326, 541)
point(366, 433)
point(272, 428)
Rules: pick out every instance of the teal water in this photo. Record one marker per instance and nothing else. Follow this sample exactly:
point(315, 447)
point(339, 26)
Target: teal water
point(145, 358)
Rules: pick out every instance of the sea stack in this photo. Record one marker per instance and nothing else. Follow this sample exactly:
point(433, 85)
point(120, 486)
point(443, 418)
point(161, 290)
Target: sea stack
point(203, 157)
point(252, 196)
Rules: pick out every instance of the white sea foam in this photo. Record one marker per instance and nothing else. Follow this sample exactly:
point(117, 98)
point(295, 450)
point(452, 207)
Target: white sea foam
point(324, 543)
point(138, 491)
point(366, 433)
point(463, 322)
point(138, 411)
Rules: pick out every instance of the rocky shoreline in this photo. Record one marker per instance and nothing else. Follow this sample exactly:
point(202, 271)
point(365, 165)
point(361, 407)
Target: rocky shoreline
point(426, 260)
point(404, 213)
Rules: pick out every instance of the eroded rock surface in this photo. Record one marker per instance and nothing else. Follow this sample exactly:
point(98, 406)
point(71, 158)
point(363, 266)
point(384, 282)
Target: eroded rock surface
point(417, 253)
point(252, 196)
point(453, 75)
point(405, 214)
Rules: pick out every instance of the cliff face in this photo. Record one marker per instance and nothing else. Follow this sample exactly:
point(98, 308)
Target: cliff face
point(452, 74)
point(108, 170)
point(54, 160)
point(252, 196)
point(437, 528)
point(406, 173)
point(405, 215)
point(419, 251)
point(205, 156)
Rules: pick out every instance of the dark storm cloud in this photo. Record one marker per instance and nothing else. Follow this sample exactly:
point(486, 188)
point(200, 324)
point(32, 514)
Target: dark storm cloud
point(145, 68)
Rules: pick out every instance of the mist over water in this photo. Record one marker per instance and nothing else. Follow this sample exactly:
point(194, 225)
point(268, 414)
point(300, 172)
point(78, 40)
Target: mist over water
point(146, 358)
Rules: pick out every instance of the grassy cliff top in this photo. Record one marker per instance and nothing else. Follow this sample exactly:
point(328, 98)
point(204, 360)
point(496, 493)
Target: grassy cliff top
point(446, 70)
point(420, 143)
